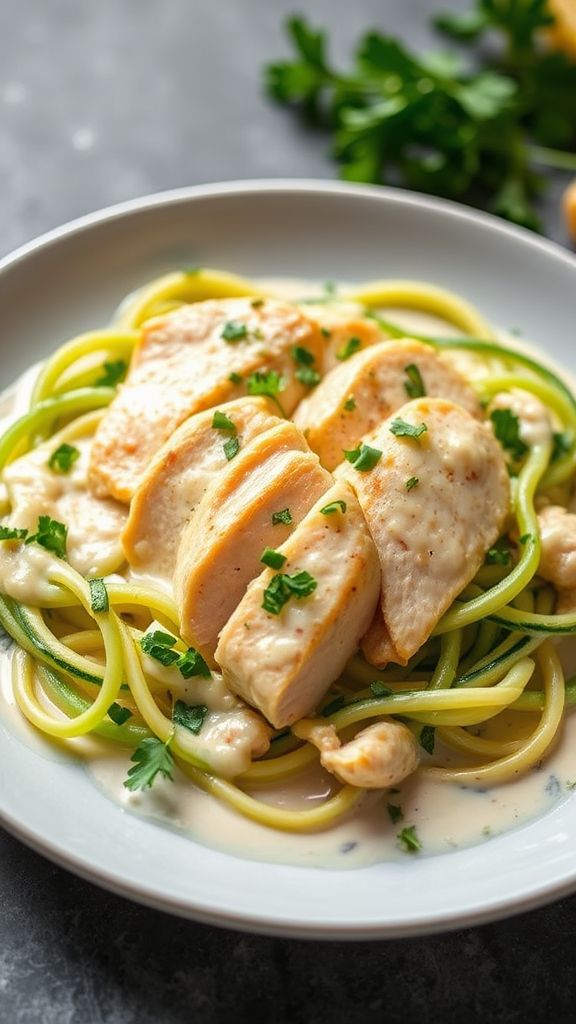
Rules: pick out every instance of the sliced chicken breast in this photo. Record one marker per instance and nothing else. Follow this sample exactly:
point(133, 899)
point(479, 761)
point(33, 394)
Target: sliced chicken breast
point(354, 398)
point(344, 328)
point(222, 545)
point(434, 503)
point(189, 360)
point(380, 756)
point(178, 476)
point(284, 663)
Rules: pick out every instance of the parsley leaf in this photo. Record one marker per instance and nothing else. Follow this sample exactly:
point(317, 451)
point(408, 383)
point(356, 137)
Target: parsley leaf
point(307, 376)
point(428, 738)
point(434, 123)
point(499, 554)
point(282, 587)
point(412, 483)
point(347, 350)
point(409, 840)
point(350, 404)
point(274, 559)
point(50, 535)
point(265, 383)
point(303, 356)
point(363, 458)
point(192, 664)
point(333, 506)
point(157, 645)
point(220, 421)
point(284, 516)
point(378, 689)
point(234, 331)
point(414, 386)
point(63, 458)
point(151, 758)
point(400, 428)
point(231, 448)
point(506, 427)
point(118, 714)
point(114, 373)
point(11, 533)
point(235, 378)
point(98, 596)
point(395, 813)
point(190, 716)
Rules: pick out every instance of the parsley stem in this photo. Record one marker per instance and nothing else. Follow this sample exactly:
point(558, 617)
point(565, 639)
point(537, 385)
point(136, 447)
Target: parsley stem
point(553, 158)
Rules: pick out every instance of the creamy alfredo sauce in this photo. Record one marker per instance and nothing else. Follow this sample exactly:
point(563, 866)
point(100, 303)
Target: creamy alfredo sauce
point(447, 816)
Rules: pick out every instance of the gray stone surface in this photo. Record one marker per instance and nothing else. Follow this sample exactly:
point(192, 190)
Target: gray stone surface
point(99, 102)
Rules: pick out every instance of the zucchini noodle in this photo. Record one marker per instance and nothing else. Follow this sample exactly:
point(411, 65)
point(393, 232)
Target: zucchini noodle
point(80, 667)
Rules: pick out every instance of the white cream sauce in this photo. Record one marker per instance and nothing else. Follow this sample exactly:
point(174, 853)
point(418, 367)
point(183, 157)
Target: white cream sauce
point(446, 816)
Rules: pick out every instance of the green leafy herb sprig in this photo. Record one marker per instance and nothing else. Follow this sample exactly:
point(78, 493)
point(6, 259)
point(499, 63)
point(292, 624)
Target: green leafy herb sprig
point(475, 132)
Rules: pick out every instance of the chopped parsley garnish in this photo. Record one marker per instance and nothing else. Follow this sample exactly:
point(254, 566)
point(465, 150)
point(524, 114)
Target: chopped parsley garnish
point(325, 332)
point(284, 516)
point(274, 559)
point(412, 483)
point(347, 350)
point(525, 538)
point(268, 383)
point(428, 738)
point(409, 840)
point(98, 596)
point(114, 372)
point(507, 430)
point(350, 404)
point(158, 645)
point(395, 813)
point(499, 554)
point(10, 533)
point(50, 535)
point(307, 376)
point(333, 506)
point(234, 331)
point(118, 714)
point(258, 334)
point(335, 705)
point(235, 378)
point(231, 448)
point(414, 386)
point(303, 356)
point(363, 458)
point(378, 689)
point(400, 428)
point(192, 664)
point(256, 303)
point(282, 587)
point(63, 458)
point(561, 445)
point(151, 758)
point(220, 421)
point(190, 716)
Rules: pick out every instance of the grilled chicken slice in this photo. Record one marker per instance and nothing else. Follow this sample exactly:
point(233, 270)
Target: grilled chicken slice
point(380, 756)
point(284, 663)
point(221, 547)
point(190, 360)
point(177, 478)
point(558, 540)
point(434, 504)
point(345, 330)
point(354, 398)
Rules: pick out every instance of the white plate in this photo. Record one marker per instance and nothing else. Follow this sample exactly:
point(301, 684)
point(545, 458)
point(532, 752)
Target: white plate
point(71, 280)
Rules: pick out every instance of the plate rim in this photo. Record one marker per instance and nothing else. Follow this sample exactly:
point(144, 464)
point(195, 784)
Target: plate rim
point(259, 922)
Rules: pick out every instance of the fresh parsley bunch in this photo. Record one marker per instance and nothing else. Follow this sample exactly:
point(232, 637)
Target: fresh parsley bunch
point(433, 124)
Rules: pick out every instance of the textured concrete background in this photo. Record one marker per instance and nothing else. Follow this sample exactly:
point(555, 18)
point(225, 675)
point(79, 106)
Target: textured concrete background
point(99, 102)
